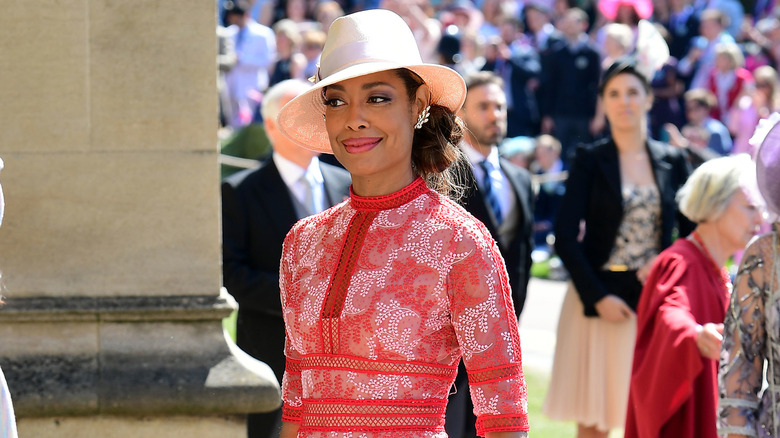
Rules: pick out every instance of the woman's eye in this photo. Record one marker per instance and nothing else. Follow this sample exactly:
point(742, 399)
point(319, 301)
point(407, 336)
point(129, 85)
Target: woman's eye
point(333, 102)
point(378, 99)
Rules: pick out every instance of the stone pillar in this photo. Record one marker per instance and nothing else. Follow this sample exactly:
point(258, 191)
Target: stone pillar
point(110, 248)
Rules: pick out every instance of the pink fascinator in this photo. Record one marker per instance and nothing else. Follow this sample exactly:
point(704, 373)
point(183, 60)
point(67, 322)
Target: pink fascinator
point(609, 8)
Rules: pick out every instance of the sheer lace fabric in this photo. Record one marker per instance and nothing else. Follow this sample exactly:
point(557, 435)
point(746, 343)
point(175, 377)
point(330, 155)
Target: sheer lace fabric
point(751, 345)
point(639, 233)
point(381, 298)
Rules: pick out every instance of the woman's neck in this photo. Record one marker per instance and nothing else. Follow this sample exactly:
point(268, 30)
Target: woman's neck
point(630, 141)
point(381, 185)
point(715, 245)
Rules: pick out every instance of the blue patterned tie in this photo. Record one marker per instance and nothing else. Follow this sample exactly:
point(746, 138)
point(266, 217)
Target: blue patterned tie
point(490, 195)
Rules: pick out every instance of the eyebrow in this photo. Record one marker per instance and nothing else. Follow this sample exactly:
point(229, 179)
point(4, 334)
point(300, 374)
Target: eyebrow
point(366, 86)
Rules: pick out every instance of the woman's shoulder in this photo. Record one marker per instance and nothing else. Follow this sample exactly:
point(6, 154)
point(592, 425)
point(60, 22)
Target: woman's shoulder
point(315, 222)
point(458, 219)
point(760, 251)
point(665, 152)
point(682, 254)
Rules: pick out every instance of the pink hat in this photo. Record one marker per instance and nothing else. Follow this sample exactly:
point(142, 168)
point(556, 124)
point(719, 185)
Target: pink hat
point(608, 8)
point(359, 44)
point(768, 168)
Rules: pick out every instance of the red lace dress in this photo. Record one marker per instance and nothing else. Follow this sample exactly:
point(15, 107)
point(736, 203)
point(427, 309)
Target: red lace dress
point(381, 298)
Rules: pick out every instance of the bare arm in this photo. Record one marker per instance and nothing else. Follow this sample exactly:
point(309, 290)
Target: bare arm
point(289, 430)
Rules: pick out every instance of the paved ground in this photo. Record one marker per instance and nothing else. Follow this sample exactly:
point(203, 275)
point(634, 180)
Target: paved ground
point(539, 321)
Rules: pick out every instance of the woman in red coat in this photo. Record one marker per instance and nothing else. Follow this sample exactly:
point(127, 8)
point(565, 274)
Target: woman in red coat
point(728, 79)
point(673, 391)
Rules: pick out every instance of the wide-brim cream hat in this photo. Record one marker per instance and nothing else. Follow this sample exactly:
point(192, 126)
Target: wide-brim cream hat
point(359, 44)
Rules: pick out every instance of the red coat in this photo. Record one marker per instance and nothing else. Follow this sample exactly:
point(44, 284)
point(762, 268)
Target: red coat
point(674, 390)
point(743, 78)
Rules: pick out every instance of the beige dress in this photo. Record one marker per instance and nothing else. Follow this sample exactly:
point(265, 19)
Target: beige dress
point(592, 364)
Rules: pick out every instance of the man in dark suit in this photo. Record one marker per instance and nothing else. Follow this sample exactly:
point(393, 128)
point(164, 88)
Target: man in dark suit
point(500, 196)
point(519, 67)
point(259, 207)
point(569, 85)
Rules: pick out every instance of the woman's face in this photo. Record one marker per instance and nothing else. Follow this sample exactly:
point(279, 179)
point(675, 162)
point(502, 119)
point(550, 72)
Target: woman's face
point(739, 222)
point(370, 123)
point(723, 63)
point(626, 102)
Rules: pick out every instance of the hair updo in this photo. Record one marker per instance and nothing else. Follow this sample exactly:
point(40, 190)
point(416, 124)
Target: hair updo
point(436, 156)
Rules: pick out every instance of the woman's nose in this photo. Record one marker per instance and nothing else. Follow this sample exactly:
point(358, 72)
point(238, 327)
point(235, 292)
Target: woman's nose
point(356, 119)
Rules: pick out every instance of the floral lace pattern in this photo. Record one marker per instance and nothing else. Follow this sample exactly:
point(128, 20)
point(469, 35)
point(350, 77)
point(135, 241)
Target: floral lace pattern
point(751, 345)
point(639, 233)
point(373, 352)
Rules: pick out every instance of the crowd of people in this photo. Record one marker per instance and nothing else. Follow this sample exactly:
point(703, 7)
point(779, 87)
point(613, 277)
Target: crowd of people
point(720, 79)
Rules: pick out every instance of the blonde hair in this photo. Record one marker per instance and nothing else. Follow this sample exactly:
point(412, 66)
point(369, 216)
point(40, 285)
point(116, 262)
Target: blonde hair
point(289, 29)
point(767, 74)
point(709, 189)
point(621, 34)
point(732, 52)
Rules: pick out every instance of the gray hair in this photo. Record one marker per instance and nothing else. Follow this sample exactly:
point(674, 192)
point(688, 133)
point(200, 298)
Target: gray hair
point(270, 107)
point(709, 189)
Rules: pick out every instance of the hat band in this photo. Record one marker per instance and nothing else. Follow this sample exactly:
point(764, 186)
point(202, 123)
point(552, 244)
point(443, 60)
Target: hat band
point(361, 52)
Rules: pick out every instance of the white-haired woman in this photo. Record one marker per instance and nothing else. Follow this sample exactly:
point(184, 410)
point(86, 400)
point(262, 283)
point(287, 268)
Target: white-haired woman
point(674, 389)
point(751, 347)
point(384, 293)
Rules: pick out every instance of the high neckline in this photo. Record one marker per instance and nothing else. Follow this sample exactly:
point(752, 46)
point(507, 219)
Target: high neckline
point(393, 200)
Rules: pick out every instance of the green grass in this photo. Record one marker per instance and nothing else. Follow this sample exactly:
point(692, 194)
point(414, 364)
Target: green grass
point(541, 426)
point(229, 323)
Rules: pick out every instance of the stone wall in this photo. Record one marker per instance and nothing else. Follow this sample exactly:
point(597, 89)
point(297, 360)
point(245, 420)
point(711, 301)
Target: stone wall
point(110, 246)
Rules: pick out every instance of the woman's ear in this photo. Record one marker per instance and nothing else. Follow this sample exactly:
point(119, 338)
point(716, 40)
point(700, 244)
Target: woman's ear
point(422, 99)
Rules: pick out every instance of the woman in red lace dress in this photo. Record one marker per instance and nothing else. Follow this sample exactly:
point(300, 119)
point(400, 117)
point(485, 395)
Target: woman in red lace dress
point(384, 293)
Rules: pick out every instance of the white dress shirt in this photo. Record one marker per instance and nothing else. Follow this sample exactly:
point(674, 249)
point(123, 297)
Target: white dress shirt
point(291, 173)
point(501, 186)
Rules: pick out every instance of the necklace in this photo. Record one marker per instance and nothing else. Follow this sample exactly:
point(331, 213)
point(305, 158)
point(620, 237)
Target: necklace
point(721, 271)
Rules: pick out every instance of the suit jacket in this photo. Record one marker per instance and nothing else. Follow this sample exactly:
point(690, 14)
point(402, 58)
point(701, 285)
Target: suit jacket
point(524, 65)
point(257, 213)
point(569, 81)
point(593, 194)
point(517, 252)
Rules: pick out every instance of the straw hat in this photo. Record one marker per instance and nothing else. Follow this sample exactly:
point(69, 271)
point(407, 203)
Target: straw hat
point(359, 44)
point(768, 167)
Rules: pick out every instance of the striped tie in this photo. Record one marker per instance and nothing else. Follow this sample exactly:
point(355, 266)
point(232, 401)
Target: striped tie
point(490, 195)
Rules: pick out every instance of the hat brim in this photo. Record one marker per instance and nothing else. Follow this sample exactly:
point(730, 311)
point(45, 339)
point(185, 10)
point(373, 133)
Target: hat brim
point(302, 119)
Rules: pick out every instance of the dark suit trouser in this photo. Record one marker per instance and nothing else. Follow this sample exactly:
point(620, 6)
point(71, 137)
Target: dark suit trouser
point(262, 337)
point(460, 421)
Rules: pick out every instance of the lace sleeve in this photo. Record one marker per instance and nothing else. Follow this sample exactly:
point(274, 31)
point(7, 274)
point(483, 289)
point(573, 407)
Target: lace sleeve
point(487, 332)
point(743, 352)
point(292, 407)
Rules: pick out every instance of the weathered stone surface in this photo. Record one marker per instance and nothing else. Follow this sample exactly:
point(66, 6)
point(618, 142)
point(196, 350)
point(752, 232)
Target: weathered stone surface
point(129, 355)
point(111, 224)
point(123, 427)
point(152, 75)
point(144, 308)
point(44, 80)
